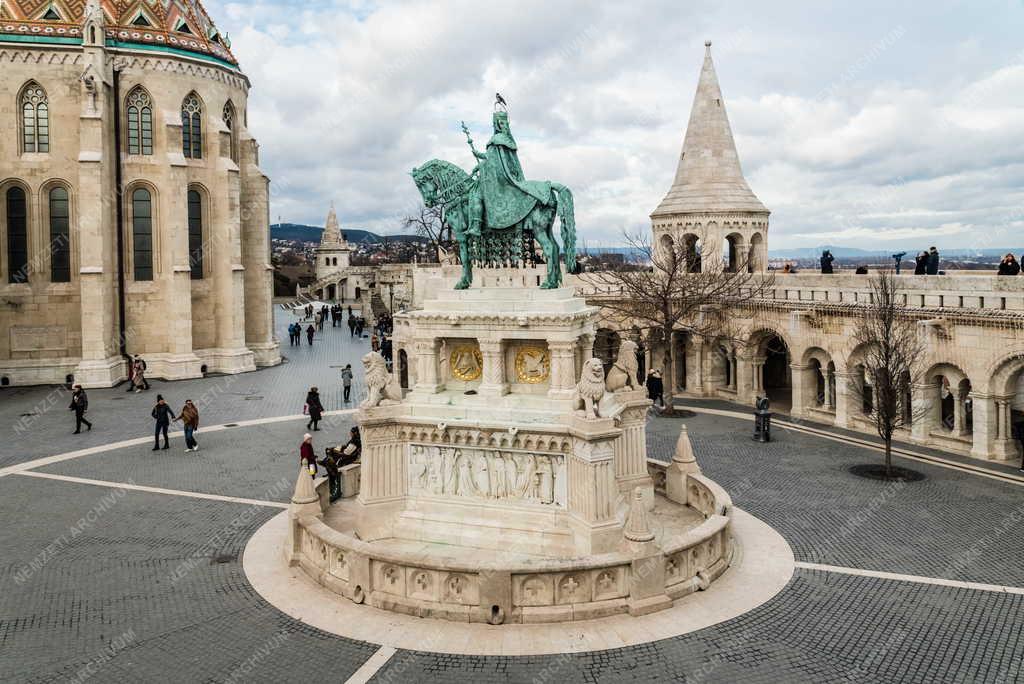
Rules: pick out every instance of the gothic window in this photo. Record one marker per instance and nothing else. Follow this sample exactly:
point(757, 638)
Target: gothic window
point(142, 234)
point(140, 122)
point(17, 236)
point(195, 234)
point(192, 127)
point(60, 236)
point(229, 121)
point(35, 119)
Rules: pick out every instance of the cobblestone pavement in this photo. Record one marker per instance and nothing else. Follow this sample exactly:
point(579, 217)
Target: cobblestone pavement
point(109, 584)
point(36, 422)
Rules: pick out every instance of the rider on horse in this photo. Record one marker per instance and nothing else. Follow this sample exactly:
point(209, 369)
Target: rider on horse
point(501, 192)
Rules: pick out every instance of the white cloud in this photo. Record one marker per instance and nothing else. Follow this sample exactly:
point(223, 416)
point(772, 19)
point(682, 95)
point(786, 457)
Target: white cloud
point(861, 124)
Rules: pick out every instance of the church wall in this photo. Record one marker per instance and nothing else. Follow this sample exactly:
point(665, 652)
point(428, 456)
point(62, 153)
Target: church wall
point(177, 323)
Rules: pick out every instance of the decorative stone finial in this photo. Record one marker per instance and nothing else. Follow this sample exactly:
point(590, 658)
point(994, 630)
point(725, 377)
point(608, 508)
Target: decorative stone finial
point(684, 452)
point(707, 43)
point(305, 500)
point(637, 528)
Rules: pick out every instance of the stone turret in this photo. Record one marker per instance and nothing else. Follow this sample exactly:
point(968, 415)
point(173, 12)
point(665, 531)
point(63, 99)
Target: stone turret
point(332, 256)
point(710, 207)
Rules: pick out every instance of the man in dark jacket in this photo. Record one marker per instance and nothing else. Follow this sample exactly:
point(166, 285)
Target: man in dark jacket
point(80, 404)
point(826, 262)
point(933, 261)
point(655, 388)
point(163, 415)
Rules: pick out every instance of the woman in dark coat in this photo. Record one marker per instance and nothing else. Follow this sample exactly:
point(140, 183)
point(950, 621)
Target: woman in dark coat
point(921, 264)
point(1009, 266)
point(309, 334)
point(315, 408)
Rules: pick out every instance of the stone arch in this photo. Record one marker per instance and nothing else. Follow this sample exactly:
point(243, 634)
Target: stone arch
point(692, 248)
point(817, 378)
point(772, 356)
point(734, 252)
point(16, 199)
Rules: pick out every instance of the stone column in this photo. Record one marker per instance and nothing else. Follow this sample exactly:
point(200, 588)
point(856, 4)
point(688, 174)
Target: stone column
point(631, 447)
point(923, 398)
point(592, 493)
point(799, 382)
point(258, 274)
point(734, 371)
point(843, 381)
point(959, 420)
point(383, 480)
point(987, 415)
point(101, 364)
point(828, 376)
point(494, 381)
point(426, 349)
point(563, 367)
point(1004, 445)
point(697, 368)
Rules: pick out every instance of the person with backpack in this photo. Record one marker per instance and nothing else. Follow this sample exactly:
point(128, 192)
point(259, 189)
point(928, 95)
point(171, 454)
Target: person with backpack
point(79, 404)
point(163, 415)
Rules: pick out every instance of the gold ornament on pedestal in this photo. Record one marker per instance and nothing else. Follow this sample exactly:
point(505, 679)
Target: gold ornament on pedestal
point(533, 365)
point(466, 362)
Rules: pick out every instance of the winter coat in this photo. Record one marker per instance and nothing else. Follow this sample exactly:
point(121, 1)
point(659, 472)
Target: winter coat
point(921, 264)
point(163, 414)
point(1009, 268)
point(314, 406)
point(933, 263)
point(189, 416)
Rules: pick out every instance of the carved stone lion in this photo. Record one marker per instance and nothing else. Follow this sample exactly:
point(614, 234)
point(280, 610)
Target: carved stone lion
point(623, 374)
point(590, 389)
point(377, 381)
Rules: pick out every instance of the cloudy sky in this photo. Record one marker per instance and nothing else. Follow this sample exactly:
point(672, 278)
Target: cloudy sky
point(884, 125)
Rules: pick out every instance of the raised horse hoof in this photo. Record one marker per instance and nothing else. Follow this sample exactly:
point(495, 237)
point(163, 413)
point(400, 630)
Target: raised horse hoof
point(462, 285)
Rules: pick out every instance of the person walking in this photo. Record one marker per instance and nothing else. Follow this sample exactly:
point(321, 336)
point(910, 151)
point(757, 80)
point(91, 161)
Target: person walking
point(656, 388)
point(933, 261)
point(163, 414)
point(307, 459)
point(826, 262)
point(79, 404)
point(314, 408)
point(374, 342)
point(921, 264)
point(189, 418)
point(346, 381)
point(1009, 266)
point(309, 334)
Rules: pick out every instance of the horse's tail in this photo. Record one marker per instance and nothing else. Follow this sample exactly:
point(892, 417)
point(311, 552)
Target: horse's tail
point(567, 217)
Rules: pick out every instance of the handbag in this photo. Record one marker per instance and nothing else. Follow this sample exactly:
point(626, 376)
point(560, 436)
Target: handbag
point(349, 449)
point(305, 409)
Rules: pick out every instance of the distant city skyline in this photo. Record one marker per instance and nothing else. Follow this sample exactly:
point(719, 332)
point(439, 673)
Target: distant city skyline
point(871, 126)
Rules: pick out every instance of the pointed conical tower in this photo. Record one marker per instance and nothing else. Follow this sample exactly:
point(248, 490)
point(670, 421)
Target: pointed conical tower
point(710, 208)
point(332, 256)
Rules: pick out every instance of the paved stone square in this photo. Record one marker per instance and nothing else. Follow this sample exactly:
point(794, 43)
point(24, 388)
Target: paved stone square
point(124, 564)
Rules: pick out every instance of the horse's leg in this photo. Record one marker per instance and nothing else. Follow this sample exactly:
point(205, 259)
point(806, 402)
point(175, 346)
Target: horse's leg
point(541, 220)
point(467, 266)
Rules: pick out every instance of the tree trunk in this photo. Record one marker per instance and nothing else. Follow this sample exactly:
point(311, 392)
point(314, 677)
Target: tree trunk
point(888, 457)
point(669, 373)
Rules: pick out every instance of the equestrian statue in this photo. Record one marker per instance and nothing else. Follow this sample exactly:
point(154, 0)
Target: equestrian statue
point(495, 213)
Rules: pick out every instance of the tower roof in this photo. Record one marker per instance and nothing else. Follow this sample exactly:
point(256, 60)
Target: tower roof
point(332, 235)
point(709, 177)
point(168, 24)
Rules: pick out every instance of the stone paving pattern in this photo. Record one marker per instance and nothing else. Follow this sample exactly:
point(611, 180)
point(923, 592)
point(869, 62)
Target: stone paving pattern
point(116, 573)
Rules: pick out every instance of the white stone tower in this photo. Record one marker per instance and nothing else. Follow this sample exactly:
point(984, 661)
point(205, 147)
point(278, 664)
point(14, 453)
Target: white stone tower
point(332, 256)
point(710, 207)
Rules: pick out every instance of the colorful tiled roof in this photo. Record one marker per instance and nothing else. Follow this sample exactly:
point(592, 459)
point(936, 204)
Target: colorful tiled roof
point(178, 24)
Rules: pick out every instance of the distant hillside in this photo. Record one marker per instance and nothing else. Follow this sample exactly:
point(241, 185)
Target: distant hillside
point(296, 231)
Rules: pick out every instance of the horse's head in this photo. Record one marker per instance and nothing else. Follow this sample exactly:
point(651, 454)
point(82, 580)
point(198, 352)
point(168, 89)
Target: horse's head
point(425, 182)
point(441, 182)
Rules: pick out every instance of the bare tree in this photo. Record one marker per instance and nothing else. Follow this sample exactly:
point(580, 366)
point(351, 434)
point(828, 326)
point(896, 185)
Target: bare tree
point(892, 358)
point(428, 223)
point(676, 293)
